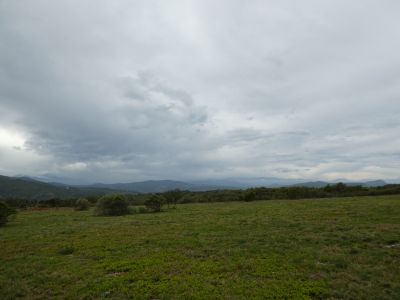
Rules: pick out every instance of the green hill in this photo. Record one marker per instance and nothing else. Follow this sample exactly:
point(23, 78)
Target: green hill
point(27, 188)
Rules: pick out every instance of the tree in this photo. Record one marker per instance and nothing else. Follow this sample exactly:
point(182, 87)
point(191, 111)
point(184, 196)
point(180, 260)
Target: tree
point(249, 195)
point(5, 212)
point(172, 197)
point(339, 188)
point(155, 203)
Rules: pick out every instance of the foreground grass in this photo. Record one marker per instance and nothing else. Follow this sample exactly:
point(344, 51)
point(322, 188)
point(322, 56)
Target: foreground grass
point(337, 248)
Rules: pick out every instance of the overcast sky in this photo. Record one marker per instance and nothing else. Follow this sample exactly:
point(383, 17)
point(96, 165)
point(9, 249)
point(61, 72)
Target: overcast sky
point(131, 90)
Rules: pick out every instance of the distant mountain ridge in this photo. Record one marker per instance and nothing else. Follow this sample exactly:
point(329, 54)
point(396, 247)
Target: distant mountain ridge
point(27, 188)
point(320, 184)
point(31, 189)
point(155, 186)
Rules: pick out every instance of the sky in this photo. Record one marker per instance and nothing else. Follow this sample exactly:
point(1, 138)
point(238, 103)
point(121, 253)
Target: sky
point(126, 90)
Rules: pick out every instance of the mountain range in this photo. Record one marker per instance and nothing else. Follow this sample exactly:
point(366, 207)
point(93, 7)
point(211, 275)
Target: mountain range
point(30, 188)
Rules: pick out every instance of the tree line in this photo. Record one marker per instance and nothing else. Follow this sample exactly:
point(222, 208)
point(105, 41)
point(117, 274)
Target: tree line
point(173, 197)
point(121, 204)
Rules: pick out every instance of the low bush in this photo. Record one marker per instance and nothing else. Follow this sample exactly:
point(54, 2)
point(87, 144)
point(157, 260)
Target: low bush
point(66, 250)
point(142, 210)
point(112, 205)
point(5, 212)
point(82, 204)
point(139, 210)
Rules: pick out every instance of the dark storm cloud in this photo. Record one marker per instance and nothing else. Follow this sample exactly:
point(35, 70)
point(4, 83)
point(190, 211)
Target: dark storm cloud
point(130, 90)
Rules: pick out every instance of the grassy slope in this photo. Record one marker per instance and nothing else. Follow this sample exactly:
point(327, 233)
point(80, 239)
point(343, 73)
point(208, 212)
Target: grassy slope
point(338, 248)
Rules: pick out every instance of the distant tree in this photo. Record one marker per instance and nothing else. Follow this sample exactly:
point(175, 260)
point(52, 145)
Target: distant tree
point(155, 203)
point(172, 197)
point(112, 205)
point(5, 212)
point(328, 188)
point(249, 195)
point(82, 204)
point(339, 187)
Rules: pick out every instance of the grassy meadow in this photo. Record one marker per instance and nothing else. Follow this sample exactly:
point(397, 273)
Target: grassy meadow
point(344, 248)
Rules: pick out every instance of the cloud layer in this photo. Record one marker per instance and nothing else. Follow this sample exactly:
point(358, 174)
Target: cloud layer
point(130, 90)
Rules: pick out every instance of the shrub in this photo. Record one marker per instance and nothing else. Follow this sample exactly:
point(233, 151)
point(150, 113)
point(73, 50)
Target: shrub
point(82, 204)
point(5, 212)
point(139, 210)
point(112, 205)
point(155, 203)
point(66, 250)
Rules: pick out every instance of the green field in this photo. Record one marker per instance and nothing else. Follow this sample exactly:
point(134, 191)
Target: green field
point(309, 249)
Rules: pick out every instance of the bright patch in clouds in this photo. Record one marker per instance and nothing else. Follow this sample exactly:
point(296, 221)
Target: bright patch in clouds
point(78, 166)
point(11, 138)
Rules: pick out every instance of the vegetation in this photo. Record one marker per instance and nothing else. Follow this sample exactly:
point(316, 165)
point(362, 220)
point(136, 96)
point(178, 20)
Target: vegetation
point(172, 197)
point(249, 195)
point(5, 213)
point(155, 203)
point(176, 196)
point(287, 193)
point(340, 248)
point(82, 204)
point(27, 192)
point(112, 205)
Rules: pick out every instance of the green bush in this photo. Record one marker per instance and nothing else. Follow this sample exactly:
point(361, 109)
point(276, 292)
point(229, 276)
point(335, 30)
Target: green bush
point(82, 204)
point(5, 212)
point(142, 210)
point(112, 205)
point(66, 250)
point(155, 203)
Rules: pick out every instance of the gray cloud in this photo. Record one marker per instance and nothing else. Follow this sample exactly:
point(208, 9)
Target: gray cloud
point(131, 90)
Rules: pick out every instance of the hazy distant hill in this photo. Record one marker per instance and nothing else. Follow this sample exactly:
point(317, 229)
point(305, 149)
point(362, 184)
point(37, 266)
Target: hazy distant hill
point(156, 186)
point(319, 184)
point(373, 183)
point(28, 188)
point(243, 183)
point(313, 184)
point(33, 189)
